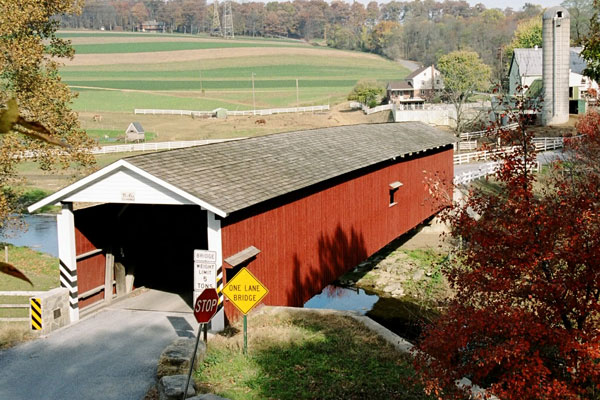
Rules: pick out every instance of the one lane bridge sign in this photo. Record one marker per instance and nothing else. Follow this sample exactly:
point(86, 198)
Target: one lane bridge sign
point(245, 291)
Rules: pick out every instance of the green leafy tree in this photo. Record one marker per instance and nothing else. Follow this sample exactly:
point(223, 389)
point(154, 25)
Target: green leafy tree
point(35, 119)
point(367, 92)
point(527, 35)
point(464, 73)
point(579, 11)
point(591, 49)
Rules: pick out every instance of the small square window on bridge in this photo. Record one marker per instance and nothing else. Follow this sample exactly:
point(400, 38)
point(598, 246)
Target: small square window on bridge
point(394, 186)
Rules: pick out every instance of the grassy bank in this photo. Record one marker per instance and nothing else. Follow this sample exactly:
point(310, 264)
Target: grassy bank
point(306, 356)
point(42, 270)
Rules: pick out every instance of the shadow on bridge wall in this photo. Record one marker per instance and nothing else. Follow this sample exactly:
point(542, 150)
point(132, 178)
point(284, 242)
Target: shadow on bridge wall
point(337, 253)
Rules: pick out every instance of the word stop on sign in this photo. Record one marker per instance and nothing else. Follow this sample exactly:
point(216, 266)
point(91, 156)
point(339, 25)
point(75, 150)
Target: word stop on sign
point(205, 305)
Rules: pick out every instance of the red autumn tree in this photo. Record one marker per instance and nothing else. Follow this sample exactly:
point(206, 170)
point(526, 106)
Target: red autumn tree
point(525, 321)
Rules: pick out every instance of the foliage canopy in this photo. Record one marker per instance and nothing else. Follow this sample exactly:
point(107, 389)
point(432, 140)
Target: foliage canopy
point(366, 92)
point(35, 119)
point(464, 73)
point(525, 321)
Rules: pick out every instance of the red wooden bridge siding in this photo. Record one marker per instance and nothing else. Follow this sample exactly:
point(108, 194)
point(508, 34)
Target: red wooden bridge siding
point(90, 270)
point(310, 240)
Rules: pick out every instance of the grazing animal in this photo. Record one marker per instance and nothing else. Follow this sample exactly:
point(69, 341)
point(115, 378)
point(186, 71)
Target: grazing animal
point(260, 121)
point(97, 118)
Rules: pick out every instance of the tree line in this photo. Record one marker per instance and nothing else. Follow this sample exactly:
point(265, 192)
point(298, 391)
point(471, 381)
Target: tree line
point(415, 30)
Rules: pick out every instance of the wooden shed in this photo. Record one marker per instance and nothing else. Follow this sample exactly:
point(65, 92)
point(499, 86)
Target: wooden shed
point(298, 209)
point(135, 133)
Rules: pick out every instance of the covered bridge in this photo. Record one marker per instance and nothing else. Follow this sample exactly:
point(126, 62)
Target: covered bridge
point(298, 209)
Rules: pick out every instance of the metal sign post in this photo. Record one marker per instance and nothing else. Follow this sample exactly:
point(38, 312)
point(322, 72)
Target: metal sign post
point(205, 307)
point(245, 292)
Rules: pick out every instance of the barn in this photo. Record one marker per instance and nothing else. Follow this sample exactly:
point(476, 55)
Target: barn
point(298, 209)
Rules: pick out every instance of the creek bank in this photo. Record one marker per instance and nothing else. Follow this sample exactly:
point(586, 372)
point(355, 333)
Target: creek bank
point(411, 287)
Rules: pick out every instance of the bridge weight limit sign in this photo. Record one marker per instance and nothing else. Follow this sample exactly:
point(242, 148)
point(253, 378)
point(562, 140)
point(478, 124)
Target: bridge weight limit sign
point(245, 292)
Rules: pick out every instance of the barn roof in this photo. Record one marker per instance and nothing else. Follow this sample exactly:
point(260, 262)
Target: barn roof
point(238, 174)
point(137, 126)
point(529, 61)
point(230, 176)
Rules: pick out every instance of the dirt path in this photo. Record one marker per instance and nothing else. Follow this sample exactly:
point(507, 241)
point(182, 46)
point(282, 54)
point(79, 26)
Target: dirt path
point(410, 65)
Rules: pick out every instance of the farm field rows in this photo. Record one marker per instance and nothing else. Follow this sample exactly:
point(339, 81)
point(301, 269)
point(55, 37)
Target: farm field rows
point(201, 73)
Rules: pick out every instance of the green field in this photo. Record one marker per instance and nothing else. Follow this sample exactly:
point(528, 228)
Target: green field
point(166, 79)
point(105, 48)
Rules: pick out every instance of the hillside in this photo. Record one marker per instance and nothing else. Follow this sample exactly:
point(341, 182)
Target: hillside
point(114, 73)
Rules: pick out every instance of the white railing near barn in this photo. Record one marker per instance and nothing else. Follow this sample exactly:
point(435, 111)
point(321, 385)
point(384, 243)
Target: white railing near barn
point(478, 134)
point(541, 144)
point(485, 170)
point(155, 146)
point(269, 111)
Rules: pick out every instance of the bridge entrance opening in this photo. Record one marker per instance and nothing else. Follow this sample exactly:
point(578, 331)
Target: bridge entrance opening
point(140, 245)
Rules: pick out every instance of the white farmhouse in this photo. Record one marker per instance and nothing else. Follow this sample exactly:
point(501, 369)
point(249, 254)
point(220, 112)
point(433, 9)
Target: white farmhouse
point(424, 82)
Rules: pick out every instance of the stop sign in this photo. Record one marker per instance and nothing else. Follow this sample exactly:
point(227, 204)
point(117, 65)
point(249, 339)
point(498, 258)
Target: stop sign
point(205, 306)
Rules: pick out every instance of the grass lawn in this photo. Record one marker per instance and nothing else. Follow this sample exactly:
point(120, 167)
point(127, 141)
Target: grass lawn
point(42, 270)
point(306, 356)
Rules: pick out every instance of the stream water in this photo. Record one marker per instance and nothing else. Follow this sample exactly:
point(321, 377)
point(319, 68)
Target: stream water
point(40, 234)
point(402, 316)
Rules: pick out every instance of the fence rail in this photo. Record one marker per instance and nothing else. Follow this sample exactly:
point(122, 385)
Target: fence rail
point(541, 144)
point(269, 111)
point(17, 305)
point(478, 134)
point(485, 170)
point(155, 146)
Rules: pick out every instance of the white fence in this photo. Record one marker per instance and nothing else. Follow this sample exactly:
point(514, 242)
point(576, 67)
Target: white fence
point(155, 146)
point(485, 170)
point(478, 134)
point(541, 144)
point(466, 145)
point(269, 111)
point(15, 305)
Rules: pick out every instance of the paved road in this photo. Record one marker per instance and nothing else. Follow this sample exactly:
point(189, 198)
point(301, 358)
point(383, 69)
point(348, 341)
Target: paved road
point(110, 355)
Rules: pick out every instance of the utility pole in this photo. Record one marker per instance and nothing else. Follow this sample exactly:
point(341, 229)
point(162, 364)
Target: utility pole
point(253, 97)
point(227, 20)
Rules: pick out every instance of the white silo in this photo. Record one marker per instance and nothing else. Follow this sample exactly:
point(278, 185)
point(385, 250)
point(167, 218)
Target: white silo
point(555, 65)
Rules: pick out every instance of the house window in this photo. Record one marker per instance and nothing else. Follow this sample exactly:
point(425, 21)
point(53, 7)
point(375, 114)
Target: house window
point(437, 82)
point(394, 186)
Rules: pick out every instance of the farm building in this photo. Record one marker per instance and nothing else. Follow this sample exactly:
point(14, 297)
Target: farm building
point(526, 70)
point(298, 209)
point(135, 133)
point(411, 92)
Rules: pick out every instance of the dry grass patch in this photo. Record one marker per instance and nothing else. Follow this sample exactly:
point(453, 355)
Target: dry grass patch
point(307, 355)
point(12, 333)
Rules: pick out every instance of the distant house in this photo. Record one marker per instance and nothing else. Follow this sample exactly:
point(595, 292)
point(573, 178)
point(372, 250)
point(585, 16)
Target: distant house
point(151, 26)
point(412, 91)
point(526, 70)
point(135, 133)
